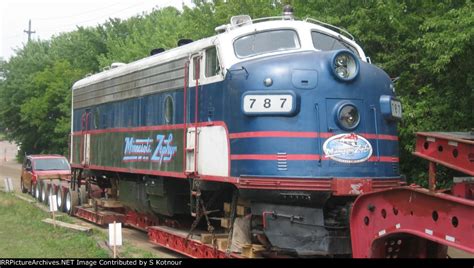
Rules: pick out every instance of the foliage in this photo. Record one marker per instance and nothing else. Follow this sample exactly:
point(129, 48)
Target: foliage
point(49, 111)
point(24, 235)
point(427, 44)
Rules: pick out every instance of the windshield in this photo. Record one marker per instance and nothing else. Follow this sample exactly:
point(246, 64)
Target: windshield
point(265, 42)
point(52, 164)
point(325, 42)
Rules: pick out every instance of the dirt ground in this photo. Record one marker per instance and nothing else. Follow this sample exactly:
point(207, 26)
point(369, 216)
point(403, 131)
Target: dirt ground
point(8, 165)
point(10, 168)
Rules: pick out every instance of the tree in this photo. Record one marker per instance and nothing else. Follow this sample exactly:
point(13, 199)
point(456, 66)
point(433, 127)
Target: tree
point(18, 87)
point(49, 112)
point(427, 44)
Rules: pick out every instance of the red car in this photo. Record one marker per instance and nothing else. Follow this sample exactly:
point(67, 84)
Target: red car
point(40, 171)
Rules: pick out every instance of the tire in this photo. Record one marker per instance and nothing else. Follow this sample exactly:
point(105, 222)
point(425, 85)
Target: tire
point(22, 186)
point(38, 192)
point(30, 190)
point(60, 198)
point(45, 193)
point(71, 200)
point(33, 190)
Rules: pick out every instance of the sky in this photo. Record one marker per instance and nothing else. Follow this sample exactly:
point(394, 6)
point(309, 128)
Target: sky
point(51, 17)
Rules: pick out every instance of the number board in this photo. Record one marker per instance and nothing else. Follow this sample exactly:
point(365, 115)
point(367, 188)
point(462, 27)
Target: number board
point(257, 103)
point(396, 108)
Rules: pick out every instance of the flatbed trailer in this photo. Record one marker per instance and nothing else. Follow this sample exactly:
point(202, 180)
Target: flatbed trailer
point(400, 222)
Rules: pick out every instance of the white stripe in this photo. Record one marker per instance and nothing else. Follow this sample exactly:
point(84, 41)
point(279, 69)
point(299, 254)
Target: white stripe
point(450, 238)
point(382, 232)
point(397, 226)
point(430, 139)
point(428, 231)
point(453, 143)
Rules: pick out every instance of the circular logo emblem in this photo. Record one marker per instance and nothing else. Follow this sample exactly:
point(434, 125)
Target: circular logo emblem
point(347, 148)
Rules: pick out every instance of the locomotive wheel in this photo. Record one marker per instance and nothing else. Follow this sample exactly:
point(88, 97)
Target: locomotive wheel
point(71, 200)
point(22, 186)
point(60, 198)
point(38, 191)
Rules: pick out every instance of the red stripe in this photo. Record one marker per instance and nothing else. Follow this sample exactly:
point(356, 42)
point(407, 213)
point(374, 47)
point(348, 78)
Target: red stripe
point(302, 157)
point(133, 170)
point(292, 134)
point(379, 136)
point(298, 157)
point(233, 180)
point(239, 135)
point(390, 159)
point(326, 134)
point(150, 128)
point(268, 134)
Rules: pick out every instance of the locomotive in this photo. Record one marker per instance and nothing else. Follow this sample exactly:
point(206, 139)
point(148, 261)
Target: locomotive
point(286, 115)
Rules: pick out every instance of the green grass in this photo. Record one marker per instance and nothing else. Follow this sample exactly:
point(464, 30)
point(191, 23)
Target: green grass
point(129, 251)
point(24, 235)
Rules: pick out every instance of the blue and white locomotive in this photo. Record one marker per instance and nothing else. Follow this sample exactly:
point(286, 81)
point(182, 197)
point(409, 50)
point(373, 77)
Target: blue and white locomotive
point(287, 115)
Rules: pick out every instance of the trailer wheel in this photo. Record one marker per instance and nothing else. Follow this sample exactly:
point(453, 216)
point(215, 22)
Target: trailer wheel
point(60, 198)
point(46, 188)
point(72, 200)
point(38, 192)
point(33, 189)
point(22, 186)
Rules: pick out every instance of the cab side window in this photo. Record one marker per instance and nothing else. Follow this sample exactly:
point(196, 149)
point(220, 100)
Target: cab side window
point(325, 42)
point(212, 67)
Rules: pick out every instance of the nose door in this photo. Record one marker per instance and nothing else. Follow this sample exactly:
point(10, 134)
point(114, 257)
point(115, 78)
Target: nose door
point(346, 125)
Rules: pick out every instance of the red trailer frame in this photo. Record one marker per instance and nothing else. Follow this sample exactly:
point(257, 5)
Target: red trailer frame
point(416, 222)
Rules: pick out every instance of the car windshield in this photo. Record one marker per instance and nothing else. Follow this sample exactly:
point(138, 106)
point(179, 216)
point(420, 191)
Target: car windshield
point(265, 42)
point(325, 42)
point(51, 164)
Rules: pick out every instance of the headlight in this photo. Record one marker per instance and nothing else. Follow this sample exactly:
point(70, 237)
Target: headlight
point(348, 117)
point(345, 65)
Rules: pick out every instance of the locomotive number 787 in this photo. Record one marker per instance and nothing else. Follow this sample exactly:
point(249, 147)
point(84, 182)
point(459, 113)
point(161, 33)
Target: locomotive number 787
point(268, 104)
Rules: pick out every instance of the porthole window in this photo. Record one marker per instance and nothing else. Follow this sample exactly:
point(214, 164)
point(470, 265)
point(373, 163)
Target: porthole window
point(168, 110)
